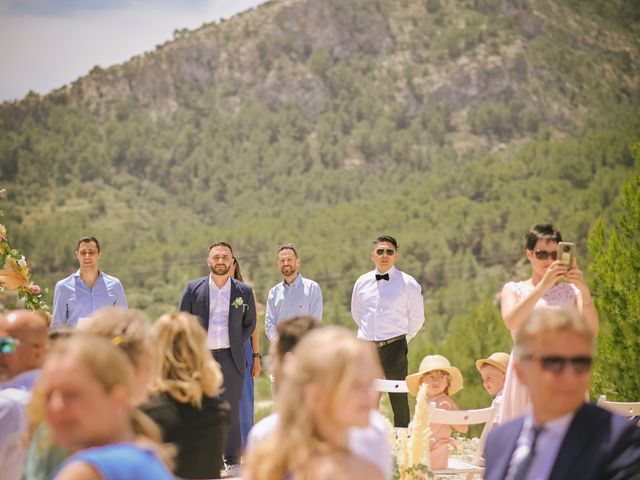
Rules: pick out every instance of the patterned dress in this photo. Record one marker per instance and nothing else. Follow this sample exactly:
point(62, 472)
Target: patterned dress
point(516, 396)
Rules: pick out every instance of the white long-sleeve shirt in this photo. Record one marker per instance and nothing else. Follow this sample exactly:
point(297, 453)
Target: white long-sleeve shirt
point(385, 309)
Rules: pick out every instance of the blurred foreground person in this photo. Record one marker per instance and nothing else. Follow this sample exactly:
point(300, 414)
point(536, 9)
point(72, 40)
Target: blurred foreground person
point(87, 386)
point(23, 345)
point(184, 401)
point(326, 389)
point(561, 436)
point(130, 331)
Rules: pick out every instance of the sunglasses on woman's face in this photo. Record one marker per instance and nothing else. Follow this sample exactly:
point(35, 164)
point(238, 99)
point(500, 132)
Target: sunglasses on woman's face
point(555, 363)
point(9, 345)
point(382, 251)
point(544, 254)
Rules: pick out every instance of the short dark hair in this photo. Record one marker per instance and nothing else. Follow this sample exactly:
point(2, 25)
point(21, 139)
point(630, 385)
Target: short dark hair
point(88, 239)
point(291, 331)
point(386, 239)
point(221, 244)
point(541, 231)
point(288, 246)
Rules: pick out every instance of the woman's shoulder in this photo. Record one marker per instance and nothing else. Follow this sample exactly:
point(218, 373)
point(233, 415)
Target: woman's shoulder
point(341, 466)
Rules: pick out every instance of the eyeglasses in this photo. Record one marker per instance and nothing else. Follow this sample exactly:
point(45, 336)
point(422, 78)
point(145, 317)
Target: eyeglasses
point(9, 345)
point(543, 254)
point(555, 364)
point(389, 251)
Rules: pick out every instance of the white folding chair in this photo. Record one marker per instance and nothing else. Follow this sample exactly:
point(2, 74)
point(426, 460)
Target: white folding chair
point(457, 466)
point(392, 386)
point(627, 409)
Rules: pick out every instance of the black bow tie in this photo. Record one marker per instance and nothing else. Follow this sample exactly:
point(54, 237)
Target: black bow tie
point(382, 277)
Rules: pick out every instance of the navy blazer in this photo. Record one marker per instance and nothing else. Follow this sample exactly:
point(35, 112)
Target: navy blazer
point(242, 319)
point(599, 445)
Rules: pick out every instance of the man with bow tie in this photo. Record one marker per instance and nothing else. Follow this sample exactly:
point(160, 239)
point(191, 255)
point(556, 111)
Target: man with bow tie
point(388, 307)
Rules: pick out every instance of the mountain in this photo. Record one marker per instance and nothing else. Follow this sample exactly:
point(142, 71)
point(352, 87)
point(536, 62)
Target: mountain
point(453, 126)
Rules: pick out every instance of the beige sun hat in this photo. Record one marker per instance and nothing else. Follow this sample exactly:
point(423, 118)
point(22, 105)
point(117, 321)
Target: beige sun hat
point(431, 363)
point(500, 360)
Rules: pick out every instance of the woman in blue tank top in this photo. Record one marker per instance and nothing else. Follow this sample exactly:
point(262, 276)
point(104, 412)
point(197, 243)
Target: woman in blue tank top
point(86, 385)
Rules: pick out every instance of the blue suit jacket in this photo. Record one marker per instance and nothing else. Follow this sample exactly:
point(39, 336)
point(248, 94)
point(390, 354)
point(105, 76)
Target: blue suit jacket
point(598, 445)
point(242, 320)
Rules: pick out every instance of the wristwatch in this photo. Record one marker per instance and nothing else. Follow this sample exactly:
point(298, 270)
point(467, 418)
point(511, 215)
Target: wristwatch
point(257, 355)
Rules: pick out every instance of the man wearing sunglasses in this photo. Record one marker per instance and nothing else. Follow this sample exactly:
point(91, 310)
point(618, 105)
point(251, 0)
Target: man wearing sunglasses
point(388, 307)
point(561, 436)
point(23, 345)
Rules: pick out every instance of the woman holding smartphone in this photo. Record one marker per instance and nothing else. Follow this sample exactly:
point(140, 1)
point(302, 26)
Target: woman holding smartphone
point(552, 285)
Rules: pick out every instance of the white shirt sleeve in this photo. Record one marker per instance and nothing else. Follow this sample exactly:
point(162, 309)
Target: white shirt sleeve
point(415, 308)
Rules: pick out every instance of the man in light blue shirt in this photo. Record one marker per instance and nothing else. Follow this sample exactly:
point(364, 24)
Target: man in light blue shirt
point(295, 295)
point(87, 290)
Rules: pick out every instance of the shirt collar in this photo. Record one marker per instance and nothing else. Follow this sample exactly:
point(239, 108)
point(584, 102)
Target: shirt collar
point(77, 274)
point(296, 281)
point(557, 426)
point(391, 272)
point(213, 284)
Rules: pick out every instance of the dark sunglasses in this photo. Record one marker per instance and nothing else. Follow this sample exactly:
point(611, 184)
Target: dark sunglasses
point(556, 364)
point(388, 251)
point(9, 345)
point(543, 254)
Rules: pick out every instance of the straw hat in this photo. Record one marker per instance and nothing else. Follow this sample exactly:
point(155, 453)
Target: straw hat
point(431, 363)
point(500, 360)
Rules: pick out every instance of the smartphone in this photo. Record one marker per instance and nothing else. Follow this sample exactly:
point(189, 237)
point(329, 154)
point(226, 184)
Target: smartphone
point(566, 253)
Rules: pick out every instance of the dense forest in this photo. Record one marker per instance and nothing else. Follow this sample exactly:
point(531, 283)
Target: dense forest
point(453, 126)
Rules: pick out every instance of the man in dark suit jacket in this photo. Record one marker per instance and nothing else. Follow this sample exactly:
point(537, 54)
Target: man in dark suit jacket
point(227, 312)
point(561, 438)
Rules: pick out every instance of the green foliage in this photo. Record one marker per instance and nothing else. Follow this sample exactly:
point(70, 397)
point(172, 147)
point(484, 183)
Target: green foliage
point(615, 248)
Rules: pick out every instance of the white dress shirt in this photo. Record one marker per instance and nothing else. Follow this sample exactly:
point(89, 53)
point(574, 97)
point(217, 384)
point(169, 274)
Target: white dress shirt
point(219, 301)
point(547, 447)
point(385, 309)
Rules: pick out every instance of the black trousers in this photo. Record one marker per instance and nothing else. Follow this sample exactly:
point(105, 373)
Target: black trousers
point(231, 392)
point(393, 358)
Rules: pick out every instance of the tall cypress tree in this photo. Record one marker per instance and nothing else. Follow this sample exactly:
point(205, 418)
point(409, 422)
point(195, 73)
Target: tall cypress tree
point(615, 248)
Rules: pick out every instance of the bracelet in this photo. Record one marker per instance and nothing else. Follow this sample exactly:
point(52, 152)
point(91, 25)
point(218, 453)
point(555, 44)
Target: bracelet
point(257, 355)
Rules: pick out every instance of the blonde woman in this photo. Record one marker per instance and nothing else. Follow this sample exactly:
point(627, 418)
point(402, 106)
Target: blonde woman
point(184, 401)
point(87, 387)
point(130, 331)
point(326, 389)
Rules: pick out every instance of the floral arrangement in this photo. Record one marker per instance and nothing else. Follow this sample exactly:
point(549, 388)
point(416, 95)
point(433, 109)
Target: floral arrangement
point(412, 453)
point(14, 274)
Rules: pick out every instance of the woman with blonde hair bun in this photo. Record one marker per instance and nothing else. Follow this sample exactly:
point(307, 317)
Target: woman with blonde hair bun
point(184, 401)
point(327, 388)
point(87, 386)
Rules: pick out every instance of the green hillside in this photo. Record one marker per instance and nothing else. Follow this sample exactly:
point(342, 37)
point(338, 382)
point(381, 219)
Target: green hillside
point(453, 126)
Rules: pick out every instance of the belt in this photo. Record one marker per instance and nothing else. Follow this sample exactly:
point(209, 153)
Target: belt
point(220, 349)
point(382, 343)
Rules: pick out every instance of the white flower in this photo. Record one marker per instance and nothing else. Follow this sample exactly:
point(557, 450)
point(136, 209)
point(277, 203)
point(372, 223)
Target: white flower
point(22, 262)
point(237, 303)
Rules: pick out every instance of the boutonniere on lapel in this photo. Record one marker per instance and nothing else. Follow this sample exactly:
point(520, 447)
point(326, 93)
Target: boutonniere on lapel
point(238, 302)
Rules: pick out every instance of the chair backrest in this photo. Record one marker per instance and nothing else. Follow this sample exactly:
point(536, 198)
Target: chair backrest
point(468, 417)
point(393, 386)
point(628, 409)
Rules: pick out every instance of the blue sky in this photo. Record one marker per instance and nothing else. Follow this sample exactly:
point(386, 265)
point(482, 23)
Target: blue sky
point(45, 44)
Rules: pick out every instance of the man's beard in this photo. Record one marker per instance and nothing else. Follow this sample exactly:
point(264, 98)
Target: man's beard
point(220, 269)
point(288, 271)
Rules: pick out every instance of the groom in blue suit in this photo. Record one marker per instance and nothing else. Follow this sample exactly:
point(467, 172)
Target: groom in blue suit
point(227, 312)
point(561, 437)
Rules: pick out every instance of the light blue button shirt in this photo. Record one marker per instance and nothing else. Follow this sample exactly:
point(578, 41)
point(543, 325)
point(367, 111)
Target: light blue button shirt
point(302, 297)
point(73, 299)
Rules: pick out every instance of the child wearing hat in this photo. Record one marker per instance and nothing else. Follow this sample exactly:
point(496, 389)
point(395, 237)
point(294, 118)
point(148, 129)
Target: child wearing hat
point(493, 371)
point(442, 380)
